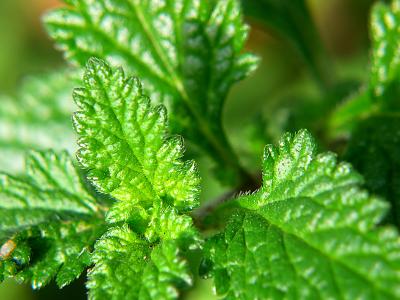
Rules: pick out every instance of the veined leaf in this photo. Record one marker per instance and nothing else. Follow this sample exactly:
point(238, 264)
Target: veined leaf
point(127, 266)
point(126, 150)
point(124, 146)
point(50, 220)
point(309, 233)
point(385, 69)
point(38, 118)
point(187, 52)
point(293, 21)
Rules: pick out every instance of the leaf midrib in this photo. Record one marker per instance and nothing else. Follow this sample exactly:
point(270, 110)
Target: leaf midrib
point(326, 255)
point(122, 129)
point(227, 156)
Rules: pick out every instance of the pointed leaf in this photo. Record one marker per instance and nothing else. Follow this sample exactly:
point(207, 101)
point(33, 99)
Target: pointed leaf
point(187, 52)
point(309, 233)
point(48, 221)
point(123, 144)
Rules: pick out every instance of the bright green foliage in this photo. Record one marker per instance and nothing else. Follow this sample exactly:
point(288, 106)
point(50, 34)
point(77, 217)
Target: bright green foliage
point(50, 219)
point(49, 222)
point(186, 52)
point(123, 144)
point(385, 69)
point(308, 233)
point(127, 266)
point(38, 118)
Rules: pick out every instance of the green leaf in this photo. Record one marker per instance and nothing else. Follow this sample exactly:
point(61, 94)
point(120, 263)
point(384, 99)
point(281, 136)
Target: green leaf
point(309, 233)
point(124, 144)
point(39, 117)
point(125, 148)
point(371, 118)
point(374, 151)
point(381, 92)
point(187, 52)
point(127, 266)
point(50, 220)
point(385, 66)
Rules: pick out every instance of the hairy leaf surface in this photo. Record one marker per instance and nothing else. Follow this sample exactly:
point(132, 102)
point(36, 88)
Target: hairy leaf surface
point(124, 144)
point(48, 221)
point(309, 233)
point(126, 150)
point(127, 266)
point(186, 52)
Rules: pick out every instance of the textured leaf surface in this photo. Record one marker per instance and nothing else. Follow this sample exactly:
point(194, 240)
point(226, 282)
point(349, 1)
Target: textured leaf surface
point(385, 69)
point(187, 53)
point(50, 220)
point(127, 266)
point(39, 117)
point(308, 233)
point(124, 146)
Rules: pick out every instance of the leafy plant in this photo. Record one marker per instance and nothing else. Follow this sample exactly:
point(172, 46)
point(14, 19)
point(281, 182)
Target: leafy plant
point(128, 208)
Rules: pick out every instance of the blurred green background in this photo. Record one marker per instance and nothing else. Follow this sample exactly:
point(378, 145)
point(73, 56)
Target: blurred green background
point(283, 90)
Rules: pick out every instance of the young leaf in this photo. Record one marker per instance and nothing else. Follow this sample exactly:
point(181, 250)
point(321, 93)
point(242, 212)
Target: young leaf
point(38, 118)
point(50, 220)
point(187, 52)
point(309, 233)
point(127, 266)
point(123, 144)
point(124, 147)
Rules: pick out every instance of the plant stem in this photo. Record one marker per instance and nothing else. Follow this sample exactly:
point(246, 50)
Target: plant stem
point(210, 206)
